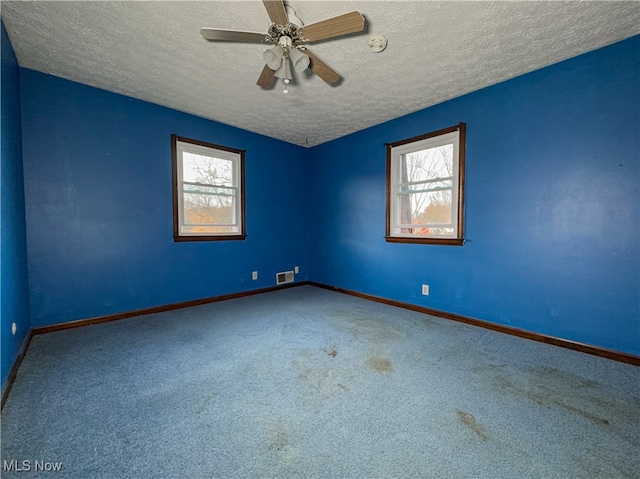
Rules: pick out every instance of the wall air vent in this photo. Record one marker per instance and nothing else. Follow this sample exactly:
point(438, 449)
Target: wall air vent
point(284, 277)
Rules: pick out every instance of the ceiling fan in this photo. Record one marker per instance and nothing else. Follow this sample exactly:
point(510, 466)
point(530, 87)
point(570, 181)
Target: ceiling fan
point(290, 38)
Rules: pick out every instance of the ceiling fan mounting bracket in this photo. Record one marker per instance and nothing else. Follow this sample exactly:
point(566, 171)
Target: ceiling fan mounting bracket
point(276, 32)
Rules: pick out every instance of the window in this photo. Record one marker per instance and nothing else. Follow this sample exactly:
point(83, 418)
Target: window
point(208, 191)
point(425, 185)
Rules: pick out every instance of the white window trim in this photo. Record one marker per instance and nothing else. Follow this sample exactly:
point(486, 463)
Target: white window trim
point(452, 135)
point(181, 145)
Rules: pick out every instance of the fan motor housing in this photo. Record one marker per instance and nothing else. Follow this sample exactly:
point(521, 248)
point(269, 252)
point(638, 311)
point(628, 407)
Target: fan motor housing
point(289, 30)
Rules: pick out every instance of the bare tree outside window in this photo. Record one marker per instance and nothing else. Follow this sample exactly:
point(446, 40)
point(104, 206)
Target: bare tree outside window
point(425, 190)
point(208, 193)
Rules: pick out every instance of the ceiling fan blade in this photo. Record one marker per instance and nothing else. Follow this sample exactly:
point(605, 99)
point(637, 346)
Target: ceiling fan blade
point(334, 27)
point(321, 69)
point(266, 77)
point(276, 11)
point(221, 35)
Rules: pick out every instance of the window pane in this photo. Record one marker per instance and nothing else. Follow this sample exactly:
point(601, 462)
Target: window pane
point(432, 208)
point(206, 169)
point(428, 231)
point(187, 229)
point(427, 164)
point(208, 209)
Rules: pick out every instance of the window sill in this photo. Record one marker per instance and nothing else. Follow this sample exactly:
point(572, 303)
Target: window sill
point(182, 239)
point(440, 241)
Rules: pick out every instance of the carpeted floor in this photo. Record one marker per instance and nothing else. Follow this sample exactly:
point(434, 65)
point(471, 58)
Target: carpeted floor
point(305, 382)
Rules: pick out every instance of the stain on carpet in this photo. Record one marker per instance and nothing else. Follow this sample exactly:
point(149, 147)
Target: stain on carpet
point(554, 376)
point(205, 403)
point(332, 351)
point(470, 421)
point(592, 417)
point(321, 382)
point(547, 396)
point(306, 372)
point(379, 364)
point(365, 326)
point(280, 445)
point(289, 327)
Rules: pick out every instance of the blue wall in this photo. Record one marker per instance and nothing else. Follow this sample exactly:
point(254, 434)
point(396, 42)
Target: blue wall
point(552, 200)
point(99, 206)
point(14, 298)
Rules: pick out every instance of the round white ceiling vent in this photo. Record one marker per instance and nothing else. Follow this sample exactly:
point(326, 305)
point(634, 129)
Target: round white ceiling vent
point(377, 43)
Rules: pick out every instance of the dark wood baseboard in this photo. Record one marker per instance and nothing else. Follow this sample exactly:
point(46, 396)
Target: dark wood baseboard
point(14, 369)
point(159, 309)
point(521, 333)
point(128, 314)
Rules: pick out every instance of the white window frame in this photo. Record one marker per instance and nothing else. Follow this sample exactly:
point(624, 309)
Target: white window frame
point(396, 230)
point(181, 145)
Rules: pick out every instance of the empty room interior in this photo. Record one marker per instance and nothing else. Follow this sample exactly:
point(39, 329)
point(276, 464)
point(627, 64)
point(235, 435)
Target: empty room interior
point(320, 239)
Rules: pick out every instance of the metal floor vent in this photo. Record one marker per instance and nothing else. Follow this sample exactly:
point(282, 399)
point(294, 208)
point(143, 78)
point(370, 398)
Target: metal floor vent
point(284, 277)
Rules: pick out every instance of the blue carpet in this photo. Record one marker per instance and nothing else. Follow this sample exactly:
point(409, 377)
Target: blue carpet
point(304, 383)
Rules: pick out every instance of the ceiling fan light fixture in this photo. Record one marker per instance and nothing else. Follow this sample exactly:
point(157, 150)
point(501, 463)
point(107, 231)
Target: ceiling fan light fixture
point(300, 60)
point(273, 57)
point(284, 71)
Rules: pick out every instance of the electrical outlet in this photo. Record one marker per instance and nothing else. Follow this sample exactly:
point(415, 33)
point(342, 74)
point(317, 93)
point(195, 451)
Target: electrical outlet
point(254, 275)
point(296, 270)
point(425, 289)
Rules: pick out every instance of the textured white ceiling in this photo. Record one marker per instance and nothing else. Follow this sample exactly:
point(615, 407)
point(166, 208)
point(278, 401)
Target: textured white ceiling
point(437, 50)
